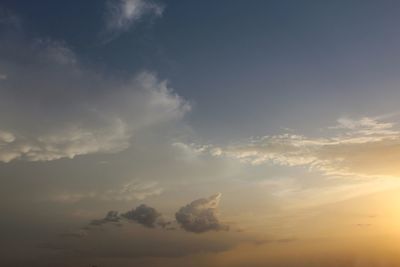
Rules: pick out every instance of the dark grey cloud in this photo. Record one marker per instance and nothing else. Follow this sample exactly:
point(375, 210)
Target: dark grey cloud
point(201, 215)
point(144, 215)
point(112, 216)
point(165, 224)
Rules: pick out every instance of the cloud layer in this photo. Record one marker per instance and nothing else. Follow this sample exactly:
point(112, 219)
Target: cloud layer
point(53, 107)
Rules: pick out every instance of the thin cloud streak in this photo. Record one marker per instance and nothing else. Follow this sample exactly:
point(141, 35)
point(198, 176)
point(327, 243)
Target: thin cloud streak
point(358, 148)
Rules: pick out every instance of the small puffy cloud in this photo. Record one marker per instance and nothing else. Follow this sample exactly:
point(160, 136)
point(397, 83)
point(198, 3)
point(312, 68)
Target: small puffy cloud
point(201, 215)
point(6, 137)
point(144, 215)
point(123, 14)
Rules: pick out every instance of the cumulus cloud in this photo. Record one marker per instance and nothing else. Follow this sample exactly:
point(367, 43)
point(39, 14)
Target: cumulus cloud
point(53, 107)
point(359, 148)
point(201, 215)
point(123, 14)
point(144, 215)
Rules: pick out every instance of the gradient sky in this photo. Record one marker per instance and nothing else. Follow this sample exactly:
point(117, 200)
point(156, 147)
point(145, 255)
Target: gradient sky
point(199, 133)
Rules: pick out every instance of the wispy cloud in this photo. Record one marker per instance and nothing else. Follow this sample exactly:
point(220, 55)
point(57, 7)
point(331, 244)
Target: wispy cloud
point(139, 190)
point(357, 148)
point(74, 234)
point(123, 14)
point(133, 190)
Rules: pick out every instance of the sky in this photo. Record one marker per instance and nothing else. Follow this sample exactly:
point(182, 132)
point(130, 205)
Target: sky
point(199, 133)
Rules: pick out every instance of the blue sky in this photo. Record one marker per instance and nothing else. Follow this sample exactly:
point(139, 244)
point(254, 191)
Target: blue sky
point(271, 63)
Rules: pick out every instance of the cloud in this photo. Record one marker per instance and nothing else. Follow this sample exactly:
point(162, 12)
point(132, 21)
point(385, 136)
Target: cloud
point(53, 107)
point(9, 20)
point(201, 215)
point(70, 198)
point(357, 148)
point(123, 14)
point(133, 190)
point(144, 215)
point(6, 137)
point(139, 190)
point(74, 234)
point(111, 217)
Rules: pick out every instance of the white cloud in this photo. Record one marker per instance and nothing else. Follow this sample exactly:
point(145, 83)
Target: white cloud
point(139, 190)
point(70, 198)
point(55, 108)
point(122, 14)
point(68, 143)
point(6, 137)
point(357, 148)
point(134, 190)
